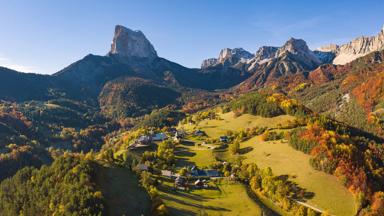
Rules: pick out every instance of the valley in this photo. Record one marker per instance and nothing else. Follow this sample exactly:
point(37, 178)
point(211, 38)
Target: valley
point(285, 130)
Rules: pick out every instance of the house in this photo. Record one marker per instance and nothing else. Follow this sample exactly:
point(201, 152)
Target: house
point(199, 133)
point(172, 131)
point(142, 167)
point(169, 174)
point(204, 173)
point(199, 183)
point(179, 134)
point(212, 173)
point(181, 183)
point(144, 140)
point(223, 139)
point(198, 173)
point(159, 137)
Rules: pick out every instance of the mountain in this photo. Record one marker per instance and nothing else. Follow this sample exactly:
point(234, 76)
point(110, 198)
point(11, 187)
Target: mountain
point(133, 56)
point(352, 93)
point(358, 47)
point(228, 57)
point(264, 54)
point(130, 43)
point(17, 86)
point(134, 97)
point(294, 57)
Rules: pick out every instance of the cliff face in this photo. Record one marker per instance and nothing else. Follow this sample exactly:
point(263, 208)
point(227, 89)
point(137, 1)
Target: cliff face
point(228, 57)
point(356, 48)
point(129, 43)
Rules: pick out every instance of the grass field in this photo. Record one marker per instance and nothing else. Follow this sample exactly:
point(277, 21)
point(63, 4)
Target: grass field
point(187, 154)
point(329, 194)
point(216, 128)
point(227, 199)
point(122, 192)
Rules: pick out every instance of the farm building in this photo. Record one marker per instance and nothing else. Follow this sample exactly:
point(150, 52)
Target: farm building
point(199, 133)
point(209, 173)
point(223, 139)
point(142, 141)
point(159, 137)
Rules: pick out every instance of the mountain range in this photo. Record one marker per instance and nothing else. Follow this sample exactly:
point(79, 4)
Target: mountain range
point(132, 57)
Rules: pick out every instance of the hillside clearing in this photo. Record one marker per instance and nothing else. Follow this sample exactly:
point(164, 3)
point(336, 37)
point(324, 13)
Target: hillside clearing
point(122, 192)
point(329, 194)
point(228, 121)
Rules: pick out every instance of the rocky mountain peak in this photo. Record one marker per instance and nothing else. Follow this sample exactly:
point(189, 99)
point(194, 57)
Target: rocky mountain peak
point(294, 46)
point(236, 53)
point(228, 57)
point(265, 52)
point(329, 48)
point(129, 43)
point(359, 47)
point(299, 48)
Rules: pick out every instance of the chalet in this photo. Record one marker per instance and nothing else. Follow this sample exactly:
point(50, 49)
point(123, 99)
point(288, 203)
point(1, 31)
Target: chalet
point(223, 139)
point(172, 131)
point(199, 133)
point(199, 173)
point(169, 174)
point(212, 173)
point(142, 141)
point(159, 137)
point(201, 183)
point(142, 167)
point(181, 183)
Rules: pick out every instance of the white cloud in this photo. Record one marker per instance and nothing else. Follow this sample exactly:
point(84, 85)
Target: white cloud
point(8, 63)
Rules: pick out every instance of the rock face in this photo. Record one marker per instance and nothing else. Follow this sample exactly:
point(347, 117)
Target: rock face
point(299, 48)
point(265, 53)
point(228, 57)
point(271, 64)
point(329, 48)
point(129, 43)
point(356, 48)
point(209, 63)
point(325, 57)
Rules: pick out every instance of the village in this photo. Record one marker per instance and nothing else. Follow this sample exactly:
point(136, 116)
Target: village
point(183, 178)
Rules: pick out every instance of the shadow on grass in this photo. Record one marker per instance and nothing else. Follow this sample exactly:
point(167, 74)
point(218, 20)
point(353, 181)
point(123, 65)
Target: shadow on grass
point(196, 205)
point(187, 143)
point(178, 211)
point(184, 162)
point(170, 190)
point(299, 193)
point(184, 153)
point(245, 150)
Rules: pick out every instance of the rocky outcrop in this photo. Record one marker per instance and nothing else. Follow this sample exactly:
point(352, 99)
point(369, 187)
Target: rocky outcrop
point(209, 63)
point(356, 48)
point(325, 57)
point(265, 53)
point(270, 64)
point(298, 48)
point(228, 57)
point(129, 43)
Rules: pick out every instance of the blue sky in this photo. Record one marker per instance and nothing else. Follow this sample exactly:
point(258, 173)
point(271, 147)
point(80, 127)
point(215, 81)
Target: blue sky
point(44, 36)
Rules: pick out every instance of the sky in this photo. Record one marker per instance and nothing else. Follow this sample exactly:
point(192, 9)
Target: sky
point(44, 36)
